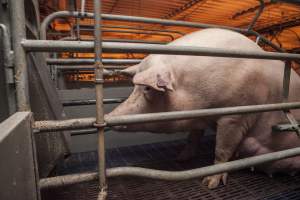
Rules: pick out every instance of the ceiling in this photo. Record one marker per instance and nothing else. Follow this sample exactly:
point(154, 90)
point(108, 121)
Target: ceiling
point(279, 21)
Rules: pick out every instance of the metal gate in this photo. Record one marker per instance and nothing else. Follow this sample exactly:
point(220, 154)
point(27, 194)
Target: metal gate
point(23, 46)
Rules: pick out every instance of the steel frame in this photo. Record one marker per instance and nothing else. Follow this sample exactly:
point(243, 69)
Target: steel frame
point(21, 46)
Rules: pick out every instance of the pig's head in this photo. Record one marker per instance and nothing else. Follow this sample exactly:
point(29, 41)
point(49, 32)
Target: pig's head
point(152, 90)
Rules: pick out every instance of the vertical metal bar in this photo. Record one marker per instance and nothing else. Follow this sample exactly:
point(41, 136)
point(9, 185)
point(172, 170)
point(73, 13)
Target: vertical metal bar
point(17, 14)
point(82, 7)
point(99, 99)
point(286, 90)
point(286, 80)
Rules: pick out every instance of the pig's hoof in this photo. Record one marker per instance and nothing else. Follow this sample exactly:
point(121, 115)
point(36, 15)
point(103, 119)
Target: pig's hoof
point(213, 181)
point(185, 155)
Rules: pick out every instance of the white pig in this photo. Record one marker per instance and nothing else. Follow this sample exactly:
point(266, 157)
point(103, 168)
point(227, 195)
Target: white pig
point(174, 83)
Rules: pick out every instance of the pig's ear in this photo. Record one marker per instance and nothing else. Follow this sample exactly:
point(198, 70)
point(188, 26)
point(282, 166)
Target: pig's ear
point(161, 81)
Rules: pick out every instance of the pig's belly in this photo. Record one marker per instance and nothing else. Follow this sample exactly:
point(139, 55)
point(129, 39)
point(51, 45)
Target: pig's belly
point(251, 147)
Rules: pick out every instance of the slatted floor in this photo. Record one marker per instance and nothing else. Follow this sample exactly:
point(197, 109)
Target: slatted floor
point(242, 184)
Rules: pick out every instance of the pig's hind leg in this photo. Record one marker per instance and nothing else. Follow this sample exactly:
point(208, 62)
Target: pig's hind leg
point(192, 146)
point(230, 132)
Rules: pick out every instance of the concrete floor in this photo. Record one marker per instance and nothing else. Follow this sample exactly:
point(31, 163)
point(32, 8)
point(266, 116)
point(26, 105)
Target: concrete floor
point(113, 139)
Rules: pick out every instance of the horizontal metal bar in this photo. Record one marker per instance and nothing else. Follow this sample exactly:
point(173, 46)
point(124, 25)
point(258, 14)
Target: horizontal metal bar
point(86, 131)
point(83, 132)
point(111, 47)
point(52, 125)
point(86, 68)
point(61, 181)
point(133, 28)
point(69, 124)
point(176, 115)
point(92, 101)
point(166, 22)
point(87, 61)
point(134, 41)
point(70, 38)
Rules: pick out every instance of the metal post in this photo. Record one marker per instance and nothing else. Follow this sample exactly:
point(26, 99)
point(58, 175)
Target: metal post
point(17, 11)
point(286, 89)
point(8, 68)
point(99, 100)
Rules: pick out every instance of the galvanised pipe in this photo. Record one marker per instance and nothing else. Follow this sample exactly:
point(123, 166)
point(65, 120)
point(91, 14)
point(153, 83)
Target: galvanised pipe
point(261, 9)
point(61, 181)
point(92, 102)
point(52, 125)
point(7, 54)
point(87, 61)
point(111, 47)
point(167, 22)
point(99, 100)
point(134, 28)
point(17, 15)
point(134, 32)
point(71, 67)
point(68, 38)
point(54, 15)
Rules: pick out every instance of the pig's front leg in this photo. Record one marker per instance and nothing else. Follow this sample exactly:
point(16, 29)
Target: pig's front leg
point(190, 149)
point(230, 131)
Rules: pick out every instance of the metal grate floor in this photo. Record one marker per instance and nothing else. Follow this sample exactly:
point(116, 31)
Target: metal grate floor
point(242, 184)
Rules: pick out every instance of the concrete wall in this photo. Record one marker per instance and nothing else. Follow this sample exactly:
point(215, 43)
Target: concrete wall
point(113, 139)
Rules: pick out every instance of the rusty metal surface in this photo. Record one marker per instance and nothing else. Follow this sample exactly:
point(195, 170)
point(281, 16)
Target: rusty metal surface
point(17, 169)
point(242, 184)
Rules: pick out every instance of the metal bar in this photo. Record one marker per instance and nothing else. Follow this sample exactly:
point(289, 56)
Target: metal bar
point(261, 9)
point(17, 16)
point(8, 69)
point(91, 71)
point(134, 32)
point(84, 132)
point(286, 89)
point(111, 47)
point(166, 22)
point(134, 41)
point(92, 102)
point(87, 61)
point(99, 100)
point(86, 68)
point(87, 131)
point(286, 80)
point(68, 38)
point(58, 14)
point(135, 28)
point(52, 125)
point(61, 181)
point(82, 7)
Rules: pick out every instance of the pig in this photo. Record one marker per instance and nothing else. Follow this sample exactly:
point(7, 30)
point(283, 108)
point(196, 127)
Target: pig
point(164, 83)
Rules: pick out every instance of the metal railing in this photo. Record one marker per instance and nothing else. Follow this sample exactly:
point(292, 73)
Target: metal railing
point(21, 46)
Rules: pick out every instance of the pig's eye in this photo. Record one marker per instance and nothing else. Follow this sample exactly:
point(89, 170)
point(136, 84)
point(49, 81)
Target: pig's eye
point(147, 89)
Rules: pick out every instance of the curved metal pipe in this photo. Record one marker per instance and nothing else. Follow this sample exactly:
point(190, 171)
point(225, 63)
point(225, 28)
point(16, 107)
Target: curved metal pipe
point(61, 181)
point(54, 15)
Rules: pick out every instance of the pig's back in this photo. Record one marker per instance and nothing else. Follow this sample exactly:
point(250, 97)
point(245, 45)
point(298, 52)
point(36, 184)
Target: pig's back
point(217, 38)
